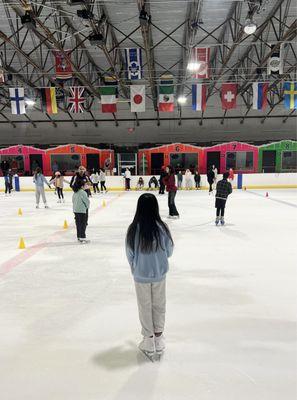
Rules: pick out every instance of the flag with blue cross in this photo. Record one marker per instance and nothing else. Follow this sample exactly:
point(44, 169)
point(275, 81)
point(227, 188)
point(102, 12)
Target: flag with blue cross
point(290, 95)
point(17, 98)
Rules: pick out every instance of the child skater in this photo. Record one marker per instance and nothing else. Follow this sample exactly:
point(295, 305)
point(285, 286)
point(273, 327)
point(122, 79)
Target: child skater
point(197, 179)
point(39, 181)
point(148, 246)
point(95, 179)
point(81, 204)
point(223, 188)
point(102, 180)
point(58, 182)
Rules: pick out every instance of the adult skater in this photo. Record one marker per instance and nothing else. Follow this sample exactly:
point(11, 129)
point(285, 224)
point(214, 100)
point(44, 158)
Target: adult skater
point(153, 181)
point(95, 179)
point(210, 179)
point(81, 204)
point(215, 171)
point(81, 175)
point(8, 181)
point(188, 179)
point(148, 246)
point(5, 167)
point(162, 176)
point(179, 179)
point(169, 181)
point(39, 180)
point(127, 176)
point(197, 179)
point(102, 180)
point(58, 182)
point(223, 190)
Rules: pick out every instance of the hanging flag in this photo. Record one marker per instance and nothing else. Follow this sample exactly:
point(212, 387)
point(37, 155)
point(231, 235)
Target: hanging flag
point(110, 80)
point(76, 100)
point(62, 65)
point(166, 93)
point(133, 63)
point(275, 63)
point(48, 100)
point(17, 97)
point(228, 97)
point(290, 95)
point(260, 90)
point(137, 98)
point(199, 97)
point(201, 56)
point(108, 99)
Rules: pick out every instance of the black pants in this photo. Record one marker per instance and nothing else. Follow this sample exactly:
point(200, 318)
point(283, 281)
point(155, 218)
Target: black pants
point(7, 187)
point(127, 183)
point(88, 192)
point(171, 204)
point(103, 187)
point(96, 187)
point(162, 188)
point(197, 184)
point(210, 186)
point(81, 225)
point(60, 193)
point(220, 206)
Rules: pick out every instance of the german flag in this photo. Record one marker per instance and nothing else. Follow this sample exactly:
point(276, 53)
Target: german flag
point(48, 100)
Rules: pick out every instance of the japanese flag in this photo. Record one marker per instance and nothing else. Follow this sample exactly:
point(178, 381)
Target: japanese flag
point(137, 98)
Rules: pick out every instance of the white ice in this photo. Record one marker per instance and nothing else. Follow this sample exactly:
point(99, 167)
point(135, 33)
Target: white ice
point(68, 318)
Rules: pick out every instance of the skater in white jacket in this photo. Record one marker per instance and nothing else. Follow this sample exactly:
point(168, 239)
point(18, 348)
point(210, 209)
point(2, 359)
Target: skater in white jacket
point(188, 179)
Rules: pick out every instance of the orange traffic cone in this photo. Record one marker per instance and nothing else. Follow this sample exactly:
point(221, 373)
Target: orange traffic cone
point(20, 212)
point(65, 226)
point(22, 243)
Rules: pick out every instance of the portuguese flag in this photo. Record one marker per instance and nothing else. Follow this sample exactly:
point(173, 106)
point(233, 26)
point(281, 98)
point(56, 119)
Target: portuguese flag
point(48, 100)
point(166, 98)
point(108, 99)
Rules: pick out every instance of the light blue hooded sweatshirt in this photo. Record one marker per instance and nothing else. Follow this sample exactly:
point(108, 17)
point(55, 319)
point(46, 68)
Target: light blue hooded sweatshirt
point(150, 267)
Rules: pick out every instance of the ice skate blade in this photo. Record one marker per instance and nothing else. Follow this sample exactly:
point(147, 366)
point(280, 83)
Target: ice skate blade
point(148, 356)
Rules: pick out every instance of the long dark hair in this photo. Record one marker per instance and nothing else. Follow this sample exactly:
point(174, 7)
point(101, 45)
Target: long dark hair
point(37, 171)
point(171, 169)
point(147, 219)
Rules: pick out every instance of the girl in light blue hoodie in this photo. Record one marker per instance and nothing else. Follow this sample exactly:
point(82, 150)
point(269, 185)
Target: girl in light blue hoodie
point(148, 246)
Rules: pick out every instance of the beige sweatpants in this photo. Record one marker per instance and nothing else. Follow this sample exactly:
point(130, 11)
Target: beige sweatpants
point(151, 300)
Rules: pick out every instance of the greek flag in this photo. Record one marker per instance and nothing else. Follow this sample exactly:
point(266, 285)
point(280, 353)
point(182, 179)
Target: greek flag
point(17, 98)
point(133, 64)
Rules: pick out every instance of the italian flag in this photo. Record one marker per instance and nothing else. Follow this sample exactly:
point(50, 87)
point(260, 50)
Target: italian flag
point(108, 99)
point(166, 99)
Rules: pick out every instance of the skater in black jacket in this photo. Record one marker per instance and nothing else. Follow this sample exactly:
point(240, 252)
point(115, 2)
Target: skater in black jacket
point(210, 179)
point(162, 176)
point(224, 188)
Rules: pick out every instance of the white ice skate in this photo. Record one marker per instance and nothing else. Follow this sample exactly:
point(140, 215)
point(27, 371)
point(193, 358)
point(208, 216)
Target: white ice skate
point(159, 344)
point(147, 347)
point(84, 241)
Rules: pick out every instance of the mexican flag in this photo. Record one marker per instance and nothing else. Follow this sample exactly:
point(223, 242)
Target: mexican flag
point(166, 99)
point(108, 99)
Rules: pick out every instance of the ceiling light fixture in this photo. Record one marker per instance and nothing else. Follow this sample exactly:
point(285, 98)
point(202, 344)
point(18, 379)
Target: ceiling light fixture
point(250, 26)
point(182, 99)
point(194, 66)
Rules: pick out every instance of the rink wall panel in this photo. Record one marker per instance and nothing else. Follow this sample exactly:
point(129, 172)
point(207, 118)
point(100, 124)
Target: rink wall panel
point(249, 181)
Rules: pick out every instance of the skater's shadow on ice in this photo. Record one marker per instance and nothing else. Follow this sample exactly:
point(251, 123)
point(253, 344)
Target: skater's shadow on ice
point(119, 357)
point(233, 233)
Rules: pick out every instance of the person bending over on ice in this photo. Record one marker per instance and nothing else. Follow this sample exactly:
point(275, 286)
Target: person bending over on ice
point(223, 188)
point(81, 204)
point(39, 181)
point(148, 246)
point(153, 181)
point(140, 184)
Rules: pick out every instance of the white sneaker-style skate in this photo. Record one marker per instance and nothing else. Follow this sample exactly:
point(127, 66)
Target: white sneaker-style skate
point(147, 347)
point(159, 344)
point(84, 241)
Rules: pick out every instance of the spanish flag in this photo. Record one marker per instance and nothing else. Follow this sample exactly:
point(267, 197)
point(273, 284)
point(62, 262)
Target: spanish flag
point(48, 100)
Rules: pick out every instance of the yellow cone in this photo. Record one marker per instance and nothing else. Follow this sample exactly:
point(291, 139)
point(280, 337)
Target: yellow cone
point(20, 212)
point(65, 226)
point(22, 243)
point(103, 203)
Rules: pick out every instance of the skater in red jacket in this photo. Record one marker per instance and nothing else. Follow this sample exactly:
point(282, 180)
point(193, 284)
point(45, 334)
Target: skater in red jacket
point(169, 182)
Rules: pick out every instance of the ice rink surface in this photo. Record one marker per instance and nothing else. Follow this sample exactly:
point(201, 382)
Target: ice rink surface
point(68, 319)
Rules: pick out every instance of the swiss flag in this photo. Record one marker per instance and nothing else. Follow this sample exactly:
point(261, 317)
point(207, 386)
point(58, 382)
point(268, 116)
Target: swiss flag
point(228, 96)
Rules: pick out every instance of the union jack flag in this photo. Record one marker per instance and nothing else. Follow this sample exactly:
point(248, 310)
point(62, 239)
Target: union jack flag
point(76, 100)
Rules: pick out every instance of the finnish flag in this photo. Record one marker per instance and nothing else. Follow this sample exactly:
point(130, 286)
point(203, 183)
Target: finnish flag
point(133, 63)
point(17, 98)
